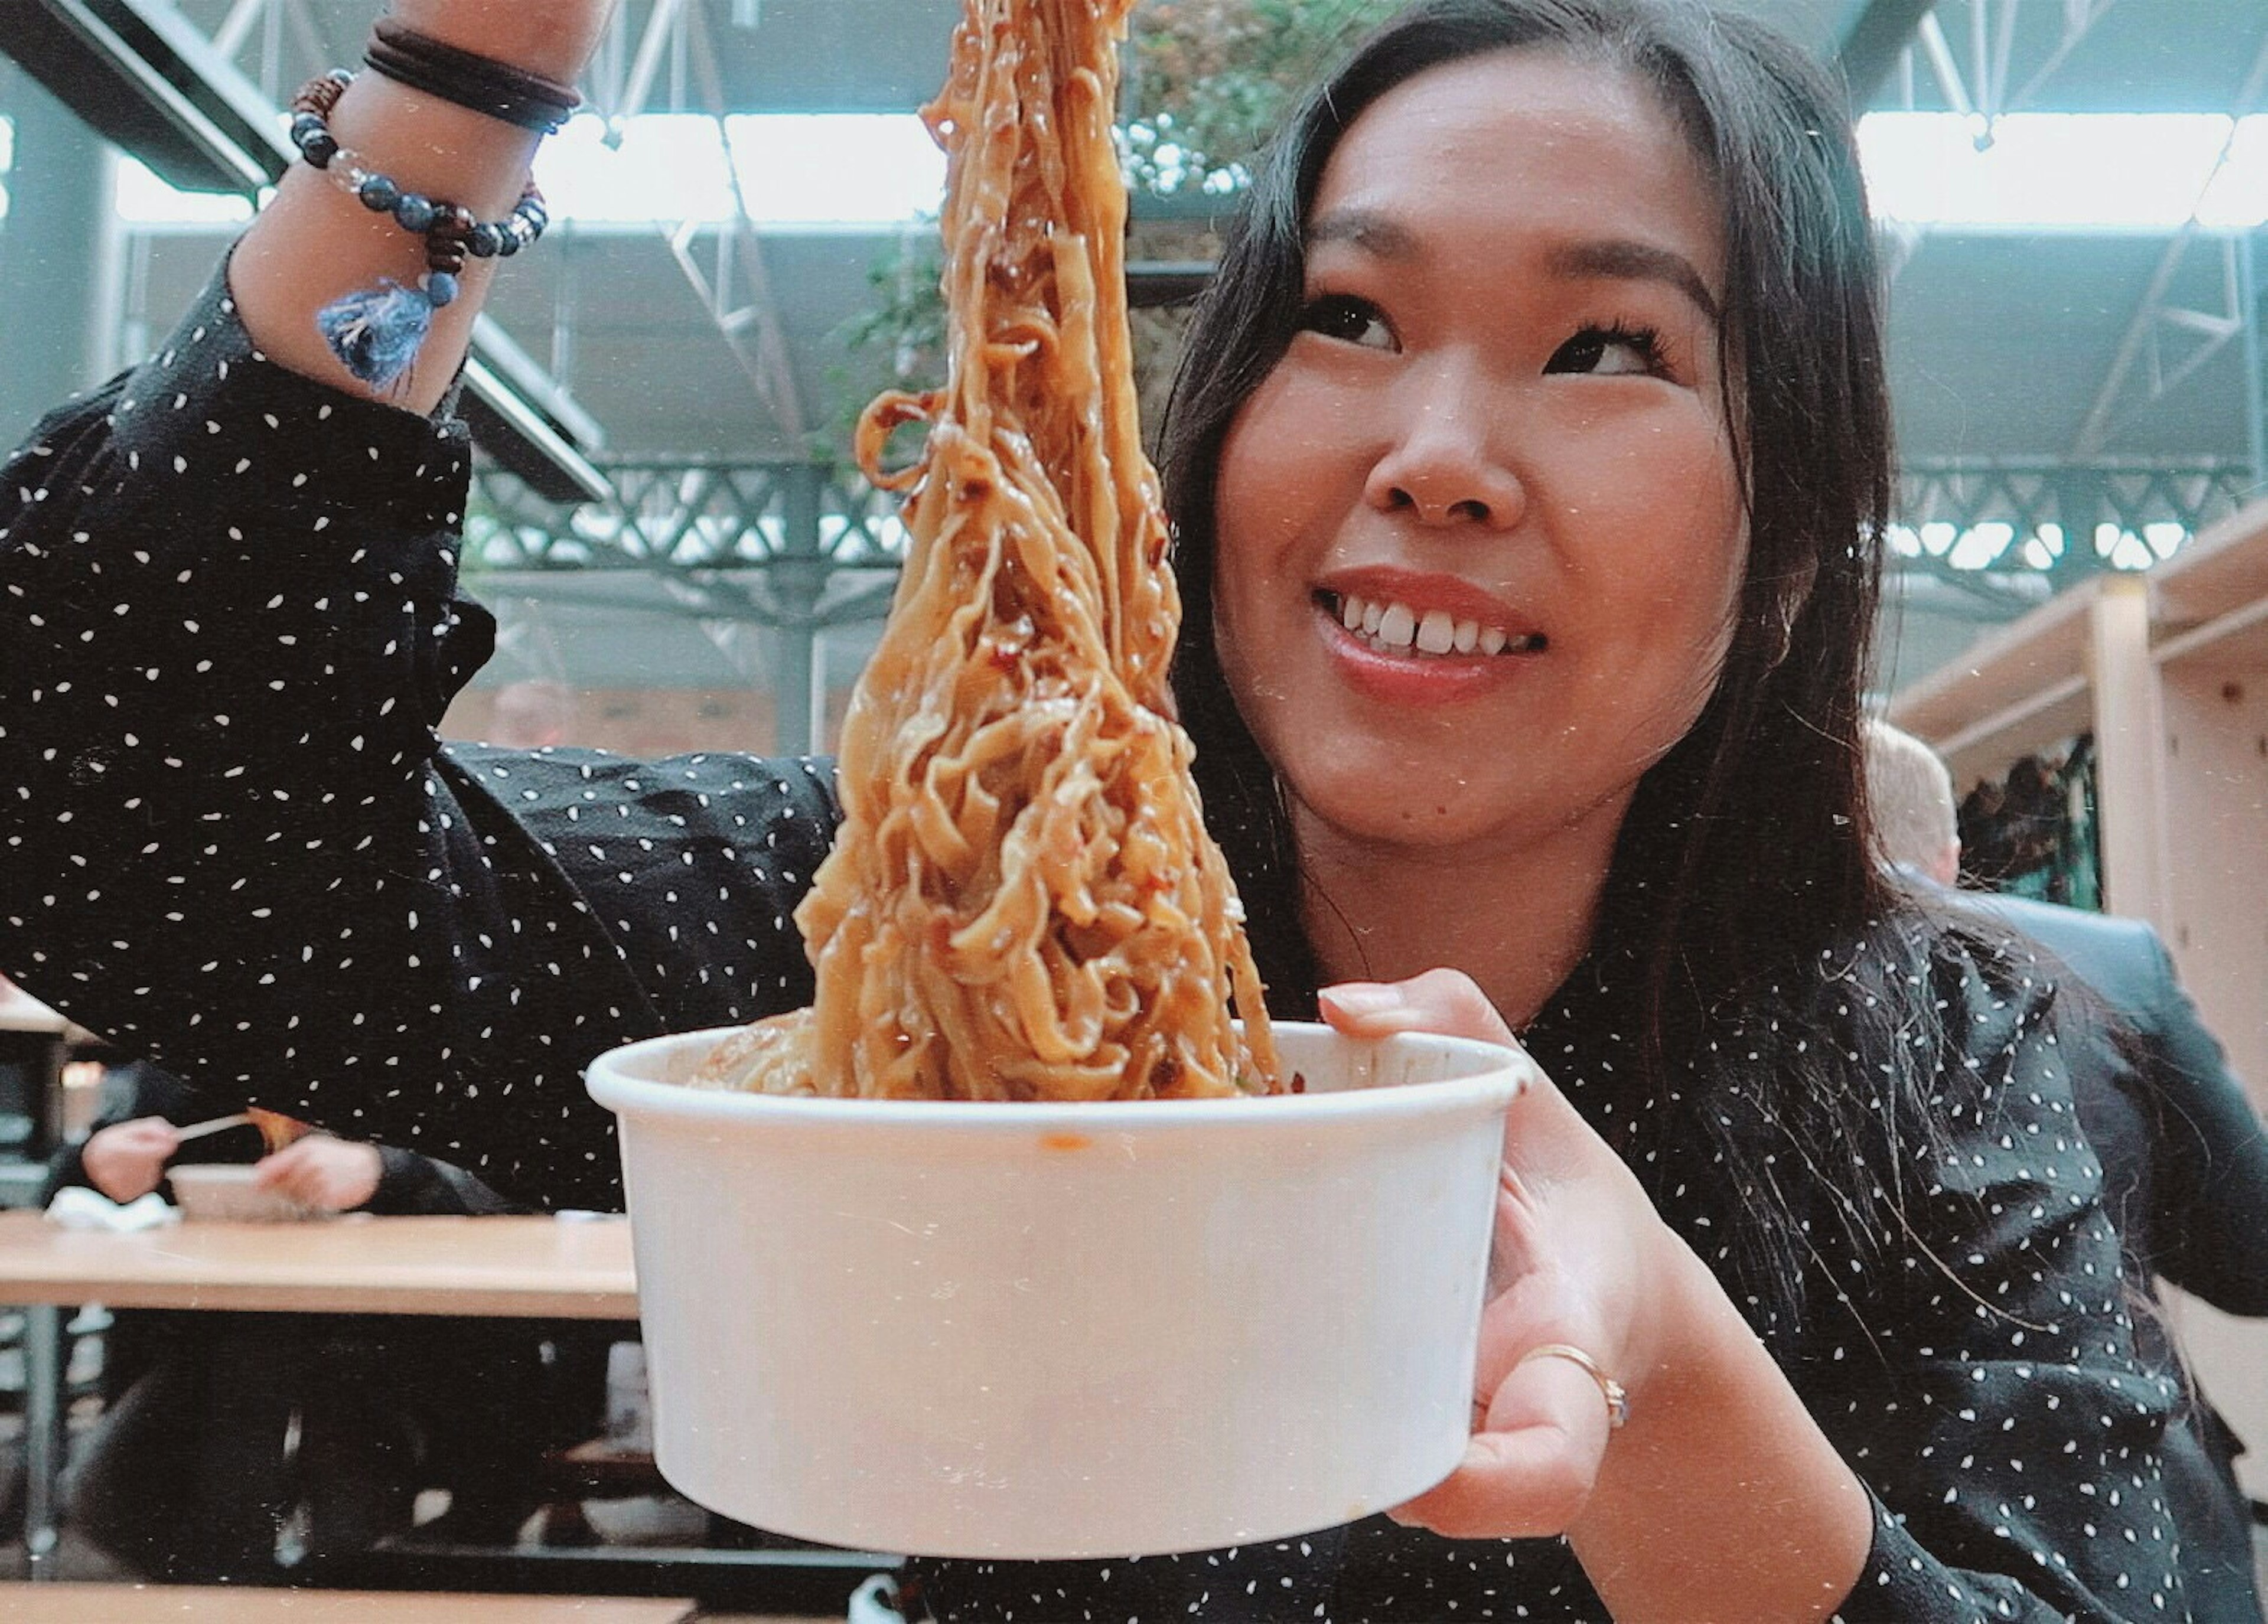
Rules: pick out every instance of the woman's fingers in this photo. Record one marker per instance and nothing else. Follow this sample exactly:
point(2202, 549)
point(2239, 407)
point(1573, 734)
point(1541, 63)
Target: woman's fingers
point(1530, 1469)
point(1546, 1141)
point(1440, 1001)
point(1540, 1422)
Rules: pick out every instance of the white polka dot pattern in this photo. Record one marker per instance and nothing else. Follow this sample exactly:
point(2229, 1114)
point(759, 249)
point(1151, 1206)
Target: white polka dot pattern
point(228, 837)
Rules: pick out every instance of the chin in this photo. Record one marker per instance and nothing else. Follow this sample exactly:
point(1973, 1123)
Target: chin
point(1407, 806)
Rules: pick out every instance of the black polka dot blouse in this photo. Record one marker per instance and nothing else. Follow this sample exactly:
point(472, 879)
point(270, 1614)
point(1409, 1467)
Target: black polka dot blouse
point(230, 840)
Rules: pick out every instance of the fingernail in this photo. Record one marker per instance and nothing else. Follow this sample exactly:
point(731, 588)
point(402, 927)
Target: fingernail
point(1362, 997)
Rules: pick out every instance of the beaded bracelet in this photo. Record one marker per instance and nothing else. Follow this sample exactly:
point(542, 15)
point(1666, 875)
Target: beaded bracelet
point(376, 331)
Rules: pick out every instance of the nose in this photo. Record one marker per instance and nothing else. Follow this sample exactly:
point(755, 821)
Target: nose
point(1446, 465)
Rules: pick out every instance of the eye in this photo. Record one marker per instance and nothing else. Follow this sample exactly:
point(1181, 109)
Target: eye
point(1350, 320)
point(1609, 352)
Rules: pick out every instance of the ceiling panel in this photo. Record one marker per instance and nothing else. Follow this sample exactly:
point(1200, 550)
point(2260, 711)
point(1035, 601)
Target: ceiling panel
point(2000, 345)
point(2140, 56)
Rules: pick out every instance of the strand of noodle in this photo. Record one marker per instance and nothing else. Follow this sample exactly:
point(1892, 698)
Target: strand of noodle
point(1023, 902)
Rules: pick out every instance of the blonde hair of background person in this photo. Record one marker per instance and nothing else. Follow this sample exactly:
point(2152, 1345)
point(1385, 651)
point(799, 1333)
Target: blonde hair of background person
point(1911, 794)
point(1554, 317)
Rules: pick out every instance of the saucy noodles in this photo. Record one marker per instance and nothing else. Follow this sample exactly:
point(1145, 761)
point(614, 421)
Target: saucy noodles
point(1023, 902)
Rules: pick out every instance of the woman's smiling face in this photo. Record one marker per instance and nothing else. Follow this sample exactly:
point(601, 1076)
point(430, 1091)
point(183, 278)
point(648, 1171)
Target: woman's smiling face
point(1480, 533)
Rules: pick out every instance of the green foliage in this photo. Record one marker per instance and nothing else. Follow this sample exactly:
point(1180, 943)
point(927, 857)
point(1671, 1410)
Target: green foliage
point(1209, 81)
point(907, 323)
point(898, 342)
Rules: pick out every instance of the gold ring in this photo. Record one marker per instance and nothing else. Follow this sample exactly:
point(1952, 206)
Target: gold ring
point(1613, 1392)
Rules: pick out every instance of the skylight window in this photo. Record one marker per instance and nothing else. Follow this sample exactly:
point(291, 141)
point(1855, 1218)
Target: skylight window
point(664, 167)
point(2238, 198)
point(2098, 173)
point(146, 199)
point(1993, 544)
point(797, 170)
point(866, 169)
point(2076, 172)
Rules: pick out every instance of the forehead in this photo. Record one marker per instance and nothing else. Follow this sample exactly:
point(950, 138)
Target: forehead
point(1530, 141)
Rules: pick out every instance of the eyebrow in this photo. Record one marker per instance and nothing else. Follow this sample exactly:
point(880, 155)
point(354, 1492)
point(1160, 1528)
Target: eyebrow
point(1622, 258)
point(1365, 229)
point(1618, 258)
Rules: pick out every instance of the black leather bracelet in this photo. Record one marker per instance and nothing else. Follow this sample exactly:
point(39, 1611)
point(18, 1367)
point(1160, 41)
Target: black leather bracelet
point(496, 89)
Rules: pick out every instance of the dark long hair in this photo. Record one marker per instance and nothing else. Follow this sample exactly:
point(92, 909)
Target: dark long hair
point(1745, 854)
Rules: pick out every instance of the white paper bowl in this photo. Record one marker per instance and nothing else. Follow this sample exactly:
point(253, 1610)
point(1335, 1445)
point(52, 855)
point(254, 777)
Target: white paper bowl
point(1039, 1331)
point(224, 1192)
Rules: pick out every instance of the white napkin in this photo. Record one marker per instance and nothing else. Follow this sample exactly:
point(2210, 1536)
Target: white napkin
point(876, 1602)
point(77, 1208)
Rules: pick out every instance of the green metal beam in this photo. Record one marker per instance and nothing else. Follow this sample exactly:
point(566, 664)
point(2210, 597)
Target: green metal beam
point(1871, 45)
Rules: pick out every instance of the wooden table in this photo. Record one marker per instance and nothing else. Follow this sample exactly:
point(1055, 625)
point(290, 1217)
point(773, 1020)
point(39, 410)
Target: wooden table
point(19, 1011)
point(238, 1603)
point(509, 1268)
point(521, 1267)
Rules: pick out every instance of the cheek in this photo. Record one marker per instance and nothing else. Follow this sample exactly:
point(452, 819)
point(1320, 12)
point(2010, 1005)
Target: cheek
point(1713, 599)
point(1712, 570)
point(1257, 520)
point(1247, 641)
point(1255, 494)
point(1682, 561)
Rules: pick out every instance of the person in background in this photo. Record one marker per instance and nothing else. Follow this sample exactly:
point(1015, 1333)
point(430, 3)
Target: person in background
point(534, 713)
point(2184, 1154)
point(234, 1446)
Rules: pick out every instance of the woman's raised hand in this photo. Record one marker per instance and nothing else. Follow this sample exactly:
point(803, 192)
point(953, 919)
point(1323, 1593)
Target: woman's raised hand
point(314, 243)
point(1575, 1241)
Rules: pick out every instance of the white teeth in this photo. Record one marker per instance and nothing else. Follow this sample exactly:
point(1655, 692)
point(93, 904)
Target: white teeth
point(1397, 626)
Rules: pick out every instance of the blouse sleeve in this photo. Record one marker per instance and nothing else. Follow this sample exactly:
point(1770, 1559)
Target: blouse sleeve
point(2209, 1233)
point(1983, 1385)
point(414, 1185)
point(231, 839)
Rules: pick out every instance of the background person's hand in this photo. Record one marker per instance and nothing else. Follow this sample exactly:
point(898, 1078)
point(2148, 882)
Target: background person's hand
point(336, 1175)
point(126, 1160)
point(1573, 1263)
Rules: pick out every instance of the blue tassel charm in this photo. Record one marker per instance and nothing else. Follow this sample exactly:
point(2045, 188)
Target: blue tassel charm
point(375, 333)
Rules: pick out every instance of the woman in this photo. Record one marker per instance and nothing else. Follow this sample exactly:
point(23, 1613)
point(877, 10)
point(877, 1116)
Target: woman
point(1552, 340)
